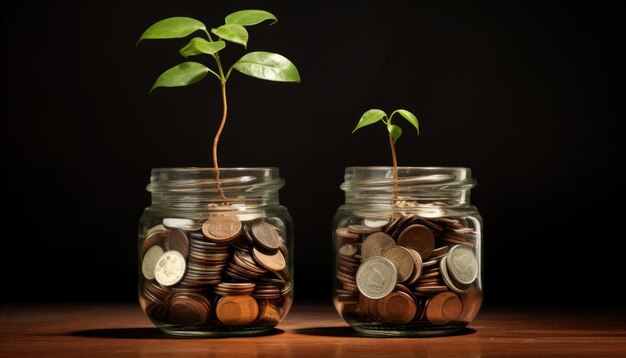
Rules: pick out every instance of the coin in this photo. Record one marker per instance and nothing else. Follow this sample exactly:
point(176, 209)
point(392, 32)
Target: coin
point(266, 236)
point(361, 229)
point(402, 260)
point(397, 308)
point(170, 268)
point(237, 310)
point(417, 262)
point(180, 223)
point(343, 232)
point(274, 262)
point(450, 282)
point(348, 250)
point(443, 308)
point(375, 244)
point(221, 228)
point(154, 236)
point(375, 223)
point(376, 277)
point(471, 304)
point(149, 261)
point(189, 308)
point(462, 264)
point(419, 238)
point(176, 239)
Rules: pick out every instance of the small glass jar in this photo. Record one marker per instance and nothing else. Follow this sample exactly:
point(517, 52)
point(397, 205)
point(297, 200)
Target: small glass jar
point(407, 251)
point(215, 256)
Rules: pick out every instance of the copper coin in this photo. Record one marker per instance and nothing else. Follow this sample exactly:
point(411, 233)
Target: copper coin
point(361, 229)
point(430, 288)
point(375, 244)
point(444, 308)
point(176, 239)
point(221, 228)
point(275, 262)
point(472, 299)
point(237, 310)
point(397, 308)
point(154, 236)
point(266, 236)
point(402, 260)
point(370, 306)
point(189, 308)
point(419, 238)
point(343, 232)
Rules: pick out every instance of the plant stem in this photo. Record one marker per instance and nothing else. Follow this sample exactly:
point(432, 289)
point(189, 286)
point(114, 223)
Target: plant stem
point(395, 169)
point(216, 140)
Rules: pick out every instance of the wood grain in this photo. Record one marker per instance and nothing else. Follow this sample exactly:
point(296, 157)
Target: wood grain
point(311, 330)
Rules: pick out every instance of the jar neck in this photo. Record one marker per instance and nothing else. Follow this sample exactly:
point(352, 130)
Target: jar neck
point(419, 187)
point(197, 188)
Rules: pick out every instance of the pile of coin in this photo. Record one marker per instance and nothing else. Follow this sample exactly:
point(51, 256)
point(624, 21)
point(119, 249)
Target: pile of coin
point(407, 271)
point(219, 272)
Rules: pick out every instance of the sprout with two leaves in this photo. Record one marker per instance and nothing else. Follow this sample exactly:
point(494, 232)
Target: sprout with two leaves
point(374, 115)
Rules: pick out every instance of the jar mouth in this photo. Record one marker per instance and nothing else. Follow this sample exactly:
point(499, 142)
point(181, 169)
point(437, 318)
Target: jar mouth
point(414, 185)
point(203, 180)
point(458, 178)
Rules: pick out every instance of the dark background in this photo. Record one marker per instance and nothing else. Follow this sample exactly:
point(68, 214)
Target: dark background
point(530, 95)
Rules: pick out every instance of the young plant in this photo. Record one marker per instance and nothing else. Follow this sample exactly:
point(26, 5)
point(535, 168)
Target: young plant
point(263, 65)
point(374, 115)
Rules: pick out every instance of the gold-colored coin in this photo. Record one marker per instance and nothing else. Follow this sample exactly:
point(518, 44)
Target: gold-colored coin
point(402, 260)
point(375, 244)
point(237, 310)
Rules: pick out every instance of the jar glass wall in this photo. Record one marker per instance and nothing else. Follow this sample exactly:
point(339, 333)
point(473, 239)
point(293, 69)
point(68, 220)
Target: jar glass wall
point(215, 257)
point(407, 251)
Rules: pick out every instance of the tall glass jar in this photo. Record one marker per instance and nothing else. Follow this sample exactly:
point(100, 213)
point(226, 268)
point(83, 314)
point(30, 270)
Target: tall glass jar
point(407, 251)
point(215, 257)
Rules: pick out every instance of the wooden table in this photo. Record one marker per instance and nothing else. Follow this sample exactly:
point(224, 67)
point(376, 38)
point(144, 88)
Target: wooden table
point(311, 330)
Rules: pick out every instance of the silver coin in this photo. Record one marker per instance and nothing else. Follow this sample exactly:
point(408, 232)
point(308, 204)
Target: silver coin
point(170, 268)
point(454, 286)
point(180, 223)
point(462, 264)
point(376, 277)
point(149, 261)
point(375, 223)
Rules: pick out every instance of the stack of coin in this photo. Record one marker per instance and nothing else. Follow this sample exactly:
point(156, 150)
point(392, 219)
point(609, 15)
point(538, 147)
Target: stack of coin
point(409, 270)
point(212, 272)
point(348, 259)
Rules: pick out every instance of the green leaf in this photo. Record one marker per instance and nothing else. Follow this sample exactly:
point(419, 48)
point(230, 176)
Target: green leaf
point(185, 74)
point(267, 66)
point(198, 46)
point(172, 28)
point(409, 117)
point(233, 33)
point(370, 117)
point(250, 17)
point(395, 132)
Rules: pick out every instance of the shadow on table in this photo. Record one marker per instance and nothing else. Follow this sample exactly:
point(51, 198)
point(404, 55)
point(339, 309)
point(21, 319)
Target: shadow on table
point(143, 333)
point(343, 331)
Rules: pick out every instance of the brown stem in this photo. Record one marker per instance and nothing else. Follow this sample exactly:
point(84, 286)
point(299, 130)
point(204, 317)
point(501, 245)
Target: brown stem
point(395, 169)
point(216, 140)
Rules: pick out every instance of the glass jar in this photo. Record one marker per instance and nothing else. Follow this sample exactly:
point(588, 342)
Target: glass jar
point(407, 251)
point(215, 256)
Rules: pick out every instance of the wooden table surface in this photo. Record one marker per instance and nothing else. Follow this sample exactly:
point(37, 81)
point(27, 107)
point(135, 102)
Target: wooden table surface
point(310, 330)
